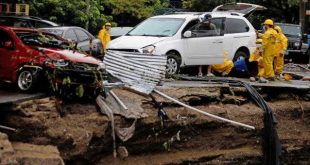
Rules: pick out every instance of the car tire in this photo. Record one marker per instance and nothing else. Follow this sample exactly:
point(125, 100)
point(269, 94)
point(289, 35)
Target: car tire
point(173, 64)
point(27, 80)
point(240, 54)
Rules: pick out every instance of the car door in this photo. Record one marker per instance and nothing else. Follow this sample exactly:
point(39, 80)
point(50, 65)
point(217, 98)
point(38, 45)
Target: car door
point(205, 46)
point(237, 31)
point(7, 56)
point(83, 39)
point(243, 8)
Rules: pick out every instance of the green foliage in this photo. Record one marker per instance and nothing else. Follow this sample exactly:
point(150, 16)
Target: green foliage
point(136, 8)
point(203, 5)
point(67, 12)
point(293, 2)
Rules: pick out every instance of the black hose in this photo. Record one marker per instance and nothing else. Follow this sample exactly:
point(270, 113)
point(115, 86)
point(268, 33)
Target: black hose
point(271, 143)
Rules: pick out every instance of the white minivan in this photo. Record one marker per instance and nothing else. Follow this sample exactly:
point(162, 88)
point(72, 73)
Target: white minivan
point(178, 36)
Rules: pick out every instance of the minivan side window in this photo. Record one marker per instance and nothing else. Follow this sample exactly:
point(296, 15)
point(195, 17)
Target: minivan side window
point(190, 25)
point(234, 25)
point(204, 29)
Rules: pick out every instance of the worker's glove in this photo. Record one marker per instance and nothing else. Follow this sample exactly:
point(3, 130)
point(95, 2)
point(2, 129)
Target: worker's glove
point(283, 51)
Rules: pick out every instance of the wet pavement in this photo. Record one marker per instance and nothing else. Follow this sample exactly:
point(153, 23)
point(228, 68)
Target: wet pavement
point(9, 95)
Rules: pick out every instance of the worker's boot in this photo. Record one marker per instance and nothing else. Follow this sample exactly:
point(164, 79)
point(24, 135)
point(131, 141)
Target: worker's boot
point(262, 80)
point(252, 79)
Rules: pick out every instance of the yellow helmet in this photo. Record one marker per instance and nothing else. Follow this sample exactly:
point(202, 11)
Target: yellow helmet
point(268, 22)
point(107, 24)
point(259, 41)
point(278, 29)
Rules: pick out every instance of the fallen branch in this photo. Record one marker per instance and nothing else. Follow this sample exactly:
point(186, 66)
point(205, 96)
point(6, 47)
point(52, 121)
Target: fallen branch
point(205, 113)
point(301, 107)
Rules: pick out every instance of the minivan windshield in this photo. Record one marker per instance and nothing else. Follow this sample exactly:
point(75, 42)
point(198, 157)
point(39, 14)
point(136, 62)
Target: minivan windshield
point(158, 27)
point(291, 31)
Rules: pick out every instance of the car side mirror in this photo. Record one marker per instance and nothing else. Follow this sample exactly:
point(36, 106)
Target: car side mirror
point(187, 34)
point(305, 35)
point(9, 45)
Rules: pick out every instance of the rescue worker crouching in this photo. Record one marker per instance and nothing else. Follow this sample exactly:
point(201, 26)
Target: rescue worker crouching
point(241, 68)
point(223, 69)
point(256, 56)
point(105, 36)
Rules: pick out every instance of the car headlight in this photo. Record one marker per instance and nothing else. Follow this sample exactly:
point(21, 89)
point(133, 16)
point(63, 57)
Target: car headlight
point(57, 63)
point(101, 66)
point(297, 44)
point(149, 49)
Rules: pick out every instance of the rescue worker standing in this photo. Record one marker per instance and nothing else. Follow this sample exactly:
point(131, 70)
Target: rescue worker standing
point(268, 49)
point(281, 46)
point(206, 25)
point(105, 36)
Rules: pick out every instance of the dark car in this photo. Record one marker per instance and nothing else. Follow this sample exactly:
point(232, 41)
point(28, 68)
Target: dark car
point(80, 36)
point(25, 21)
point(25, 53)
point(297, 49)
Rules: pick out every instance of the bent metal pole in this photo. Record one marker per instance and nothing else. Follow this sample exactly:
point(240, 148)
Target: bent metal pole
point(205, 113)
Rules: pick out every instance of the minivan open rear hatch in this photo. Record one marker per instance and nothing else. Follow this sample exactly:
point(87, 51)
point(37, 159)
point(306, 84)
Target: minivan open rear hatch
point(243, 8)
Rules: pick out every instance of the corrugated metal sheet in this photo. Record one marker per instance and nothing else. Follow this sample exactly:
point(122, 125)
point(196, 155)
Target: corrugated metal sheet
point(142, 72)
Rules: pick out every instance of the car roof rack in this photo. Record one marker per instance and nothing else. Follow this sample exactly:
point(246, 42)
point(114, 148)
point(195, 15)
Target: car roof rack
point(194, 13)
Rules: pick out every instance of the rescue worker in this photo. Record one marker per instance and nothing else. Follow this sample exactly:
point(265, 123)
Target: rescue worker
point(223, 69)
point(268, 49)
point(105, 36)
point(209, 27)
point(281, 46)
point(257, 56)
point(241, 68)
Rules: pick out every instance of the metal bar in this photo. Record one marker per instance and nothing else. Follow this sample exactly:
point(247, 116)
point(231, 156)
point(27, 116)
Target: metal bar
point(205, 113)
point(119, 101)
point(302, 67)
point(102, 104)
point(8, 128)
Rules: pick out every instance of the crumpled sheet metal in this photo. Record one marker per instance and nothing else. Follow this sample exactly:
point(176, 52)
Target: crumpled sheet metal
point(142, 72)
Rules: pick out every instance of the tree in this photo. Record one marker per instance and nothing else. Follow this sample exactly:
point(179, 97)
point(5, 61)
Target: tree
point(94, 15)
point(130, 12)
point(67, 12)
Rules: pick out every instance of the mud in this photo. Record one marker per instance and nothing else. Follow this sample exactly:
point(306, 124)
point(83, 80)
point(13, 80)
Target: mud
point(83, 136)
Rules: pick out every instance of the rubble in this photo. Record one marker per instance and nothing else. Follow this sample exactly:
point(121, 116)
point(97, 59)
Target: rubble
point(82, 135)
point(15, 153)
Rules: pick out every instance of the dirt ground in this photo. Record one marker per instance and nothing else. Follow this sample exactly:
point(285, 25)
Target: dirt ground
point(83, 135)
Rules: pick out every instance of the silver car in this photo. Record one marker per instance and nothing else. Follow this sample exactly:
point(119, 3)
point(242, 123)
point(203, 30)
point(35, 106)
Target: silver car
point(79, 35)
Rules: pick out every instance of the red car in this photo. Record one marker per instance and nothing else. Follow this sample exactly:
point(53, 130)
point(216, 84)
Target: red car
point(24, 51)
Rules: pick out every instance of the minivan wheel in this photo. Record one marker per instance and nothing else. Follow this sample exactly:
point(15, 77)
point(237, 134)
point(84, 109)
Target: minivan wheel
point(26, 80)
point(173, 64)
point(240, 55)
